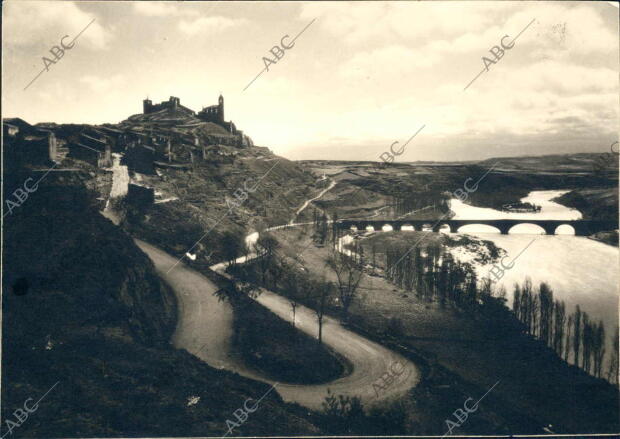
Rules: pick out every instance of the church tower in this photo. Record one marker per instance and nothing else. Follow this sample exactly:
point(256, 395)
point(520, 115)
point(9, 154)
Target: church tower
point(220, 108)
point(147, 106)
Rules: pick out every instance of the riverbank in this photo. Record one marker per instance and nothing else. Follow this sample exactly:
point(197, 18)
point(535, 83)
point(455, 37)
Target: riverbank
point(530, 375)
point(609, 238)
point(598, 203)
point(581, 271)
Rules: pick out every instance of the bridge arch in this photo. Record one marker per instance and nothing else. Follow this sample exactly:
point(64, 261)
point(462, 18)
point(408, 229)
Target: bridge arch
point(444, 228)
point(526, 228)
point(353, 228)
point(387, 228)
point(564, 229)
point(370, 228)
point(478, 228)
point(426, 227)
point(407, 228)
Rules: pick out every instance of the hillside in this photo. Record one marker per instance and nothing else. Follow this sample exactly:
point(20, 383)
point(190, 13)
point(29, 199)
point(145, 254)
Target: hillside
point(368, 190)
point(84, 308)
point(203, 202)
point(465, 352)
point(85, 305)
point(193, 174)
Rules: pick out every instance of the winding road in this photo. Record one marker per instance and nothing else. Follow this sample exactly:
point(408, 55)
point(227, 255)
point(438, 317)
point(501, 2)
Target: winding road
point(307, 202)
point(205, 329)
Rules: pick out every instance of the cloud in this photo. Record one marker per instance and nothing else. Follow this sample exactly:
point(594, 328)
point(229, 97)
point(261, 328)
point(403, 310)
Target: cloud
point(580, 29)
point(397, 58)
point(100, 84)
point(156, 9)
point(210, 25)
point(53, 20)
point(171, 9)
point(400, 21)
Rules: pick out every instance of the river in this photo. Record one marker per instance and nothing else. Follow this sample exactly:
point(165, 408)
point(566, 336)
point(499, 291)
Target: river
point(580, 271)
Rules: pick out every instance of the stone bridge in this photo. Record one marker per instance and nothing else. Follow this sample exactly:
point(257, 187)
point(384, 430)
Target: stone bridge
point(581, 227)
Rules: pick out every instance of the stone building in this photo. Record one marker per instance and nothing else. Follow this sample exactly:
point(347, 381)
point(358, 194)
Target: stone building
point(38, 147)
point(140, 158)
point(213, 113)
point(173, 104)
point(92, 148)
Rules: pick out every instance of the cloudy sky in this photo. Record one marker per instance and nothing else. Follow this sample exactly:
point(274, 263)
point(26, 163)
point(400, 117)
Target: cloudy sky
point(360, 77)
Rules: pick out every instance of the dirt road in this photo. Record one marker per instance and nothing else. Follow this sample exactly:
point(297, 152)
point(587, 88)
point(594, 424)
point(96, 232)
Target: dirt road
point(205, 330)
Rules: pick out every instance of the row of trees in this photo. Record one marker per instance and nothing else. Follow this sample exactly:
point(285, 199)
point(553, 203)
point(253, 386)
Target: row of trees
point(274, 270)
point(320, 223)
point(324, 229)
point(408, 201)
point(576, 334)
point(434, 274)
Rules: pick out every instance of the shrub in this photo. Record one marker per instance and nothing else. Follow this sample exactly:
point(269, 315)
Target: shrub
point(395, 326)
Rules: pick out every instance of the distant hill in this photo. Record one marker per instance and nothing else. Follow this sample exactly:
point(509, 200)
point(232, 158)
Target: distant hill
point(380, 188)
point(580, 162)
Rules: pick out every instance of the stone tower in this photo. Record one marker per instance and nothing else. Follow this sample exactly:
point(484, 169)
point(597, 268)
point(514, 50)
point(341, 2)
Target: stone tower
point(147, 106)
point(220, 108)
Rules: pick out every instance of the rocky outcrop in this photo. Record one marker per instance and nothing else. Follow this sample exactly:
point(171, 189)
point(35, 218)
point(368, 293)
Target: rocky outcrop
point(78, 263)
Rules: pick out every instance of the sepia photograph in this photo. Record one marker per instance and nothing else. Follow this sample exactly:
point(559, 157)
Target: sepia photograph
point(295, 219)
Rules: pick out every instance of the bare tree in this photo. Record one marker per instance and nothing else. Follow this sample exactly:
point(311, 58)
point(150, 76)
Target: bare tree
point(349, 274)
point(265, 248)
point(612, 373)
point(335, 229)
point(599, 348)
point(545, 299)
point(586, 341)
point(526, 304)
point(534, 311)
point(373, 252)
point(292, 282)
point(567, 343)
point(516, 302)
point(558, 326)
point(276, 270)
point(319, 293)
point(577, 334)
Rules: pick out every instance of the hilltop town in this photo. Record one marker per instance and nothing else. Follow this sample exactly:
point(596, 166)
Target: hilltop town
point(164, 134)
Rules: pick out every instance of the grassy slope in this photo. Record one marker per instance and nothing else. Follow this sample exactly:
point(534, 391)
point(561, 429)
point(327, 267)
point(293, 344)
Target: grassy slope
point(202, 206)
point(599, 203)
point(536, 389)
point(512, 179)
point(97, 319)
point(278, 350)
point(178, 225)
